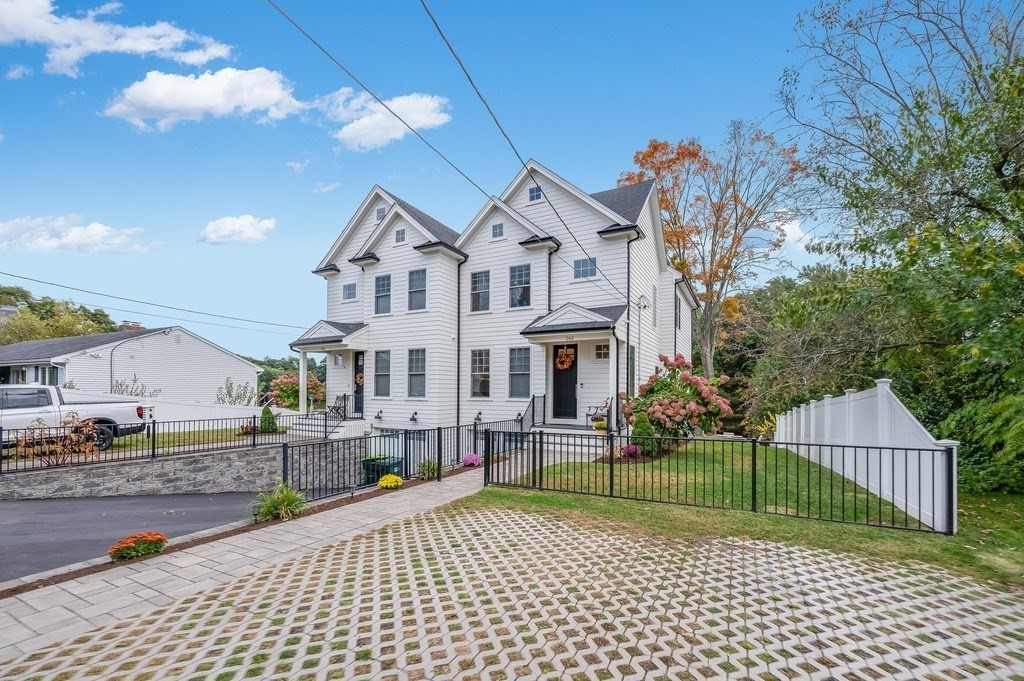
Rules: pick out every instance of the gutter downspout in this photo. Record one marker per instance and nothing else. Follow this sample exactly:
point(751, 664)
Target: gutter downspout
point(618, 379)
point(550, 253)
point(629, 299)
point(458, 343)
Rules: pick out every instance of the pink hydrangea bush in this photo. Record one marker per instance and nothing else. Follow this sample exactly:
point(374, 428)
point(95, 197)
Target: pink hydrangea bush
point(677, 401)
point(472, 459)
point(284, 390)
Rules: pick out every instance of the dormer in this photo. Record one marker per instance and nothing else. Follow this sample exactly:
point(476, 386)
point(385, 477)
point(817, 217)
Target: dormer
point(497, 221)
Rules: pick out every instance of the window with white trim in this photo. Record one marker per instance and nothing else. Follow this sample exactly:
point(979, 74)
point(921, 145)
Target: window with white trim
point(480, 291)
point(535, 193)
point(382, 294)
point(584, 268)
point(418, 290)
point(519, 286)
point(498, 230)
point(417, 372)
point(348, 292)
point(602, 351)
point(519, 372)
point(382, 373)
point(381, 212)
point(480, 372)
point(400, 236)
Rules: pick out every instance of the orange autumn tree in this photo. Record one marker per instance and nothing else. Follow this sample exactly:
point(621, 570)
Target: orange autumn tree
point(724, 212)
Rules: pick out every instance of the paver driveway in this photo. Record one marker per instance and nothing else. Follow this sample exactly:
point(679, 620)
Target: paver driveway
point(502, 594)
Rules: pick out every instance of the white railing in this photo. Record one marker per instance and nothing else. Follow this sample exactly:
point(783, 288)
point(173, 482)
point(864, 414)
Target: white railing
point(892, 440)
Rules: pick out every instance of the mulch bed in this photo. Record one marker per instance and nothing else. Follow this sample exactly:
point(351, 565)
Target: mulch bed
point(174, 548)
point(643, 458)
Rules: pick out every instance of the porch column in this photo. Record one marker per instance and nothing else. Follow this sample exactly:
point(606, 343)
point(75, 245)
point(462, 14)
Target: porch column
point(303, 371)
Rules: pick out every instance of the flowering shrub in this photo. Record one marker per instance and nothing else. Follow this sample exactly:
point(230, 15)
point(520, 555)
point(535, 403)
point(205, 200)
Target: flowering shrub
point(598, 416)
point(472, 459)
point(630, 451)
point(141, 544)
point(677, 401)
point(284, 390)
point(389, 481)
point(600, 425)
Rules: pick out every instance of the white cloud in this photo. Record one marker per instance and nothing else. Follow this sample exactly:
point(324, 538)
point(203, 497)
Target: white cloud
point(321, 188)
point(241, 229)
point(18, 71)
point(70, 234)
point(793, 232)
point(298, 166)
point(368, 125)
point(70, 39)
point(166, 98)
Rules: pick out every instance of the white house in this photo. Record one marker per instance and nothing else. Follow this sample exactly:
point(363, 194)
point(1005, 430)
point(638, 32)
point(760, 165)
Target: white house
point(177, 363)
point(549, 303)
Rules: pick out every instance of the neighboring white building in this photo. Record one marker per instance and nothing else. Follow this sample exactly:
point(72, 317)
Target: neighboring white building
point(172, 360)
point(424, 321)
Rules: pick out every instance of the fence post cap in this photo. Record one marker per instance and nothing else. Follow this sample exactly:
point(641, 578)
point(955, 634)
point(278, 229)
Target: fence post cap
point(849, 391)
point(828, 398)
point(883, 382)
point(947, 443)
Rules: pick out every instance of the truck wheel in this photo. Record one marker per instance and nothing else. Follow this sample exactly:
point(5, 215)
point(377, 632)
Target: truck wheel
point(104, 437)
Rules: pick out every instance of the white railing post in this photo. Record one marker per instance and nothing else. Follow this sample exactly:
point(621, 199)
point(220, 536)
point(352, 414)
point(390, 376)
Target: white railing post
point(303, 370)
point(828, 419)
point(882, 395)
point(952, 497)
point(849, 416)
point(812, 422)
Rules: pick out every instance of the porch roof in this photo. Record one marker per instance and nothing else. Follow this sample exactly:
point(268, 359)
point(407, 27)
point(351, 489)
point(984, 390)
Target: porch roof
point(325, 332)
point(572, 317)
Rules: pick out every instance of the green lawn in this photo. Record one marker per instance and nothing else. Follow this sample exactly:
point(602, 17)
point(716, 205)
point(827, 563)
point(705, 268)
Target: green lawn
point(989, 545)
point(719, 474)
point(192, 439)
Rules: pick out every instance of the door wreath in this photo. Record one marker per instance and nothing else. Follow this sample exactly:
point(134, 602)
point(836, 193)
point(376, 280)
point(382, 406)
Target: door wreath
point(563, 360)
point(359, 379)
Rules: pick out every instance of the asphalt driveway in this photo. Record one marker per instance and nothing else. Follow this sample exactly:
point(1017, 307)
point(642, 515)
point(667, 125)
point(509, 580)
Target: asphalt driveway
point(43, 534)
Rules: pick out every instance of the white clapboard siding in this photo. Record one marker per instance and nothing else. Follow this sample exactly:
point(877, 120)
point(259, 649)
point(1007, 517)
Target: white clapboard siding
point(178, 363)
point(352, 311)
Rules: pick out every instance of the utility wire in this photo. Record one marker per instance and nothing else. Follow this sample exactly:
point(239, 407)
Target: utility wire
point(181, 319)
point(508, 139)
point(370, 92)
point(144, 302)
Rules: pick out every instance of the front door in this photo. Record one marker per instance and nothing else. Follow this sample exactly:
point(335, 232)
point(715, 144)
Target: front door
point(358, 378)
point(563, 382)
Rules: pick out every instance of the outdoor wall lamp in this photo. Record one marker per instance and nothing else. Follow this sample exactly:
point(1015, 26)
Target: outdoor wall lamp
point(479, 417)
point(412, 418)
point(379, 416)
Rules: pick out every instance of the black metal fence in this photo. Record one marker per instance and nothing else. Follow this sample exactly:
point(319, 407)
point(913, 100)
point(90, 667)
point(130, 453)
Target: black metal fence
point(27, 449)
point(905, 488)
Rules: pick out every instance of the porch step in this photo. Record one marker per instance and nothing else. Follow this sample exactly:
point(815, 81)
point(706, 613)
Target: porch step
point(313, 427)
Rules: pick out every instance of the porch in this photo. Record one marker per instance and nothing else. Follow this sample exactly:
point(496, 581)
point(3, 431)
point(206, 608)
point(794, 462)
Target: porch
point(582, 366)
point(342, 343)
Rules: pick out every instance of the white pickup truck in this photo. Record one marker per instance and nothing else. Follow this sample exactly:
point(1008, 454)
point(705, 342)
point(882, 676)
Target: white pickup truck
point(22, 406)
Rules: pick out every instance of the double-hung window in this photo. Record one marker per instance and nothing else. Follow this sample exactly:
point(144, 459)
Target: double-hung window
point(418, 290)
point(382, 373)
point(418, 372)
point(348, 292)
point(479, 291)
point(519, 286)
point(519, 372)
point(480, 370)
point(584, 268)
point(382, 294)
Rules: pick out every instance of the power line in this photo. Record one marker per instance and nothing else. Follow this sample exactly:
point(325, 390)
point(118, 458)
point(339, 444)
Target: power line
point(181, 319)
point(508, 139)
point(370, 92)
point(144, 302)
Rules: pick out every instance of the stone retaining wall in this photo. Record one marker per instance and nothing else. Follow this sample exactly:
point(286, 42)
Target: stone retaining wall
point(238, 470)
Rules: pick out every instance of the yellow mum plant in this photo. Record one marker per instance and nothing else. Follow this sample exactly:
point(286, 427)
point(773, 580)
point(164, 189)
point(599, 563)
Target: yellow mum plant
point(389, 481)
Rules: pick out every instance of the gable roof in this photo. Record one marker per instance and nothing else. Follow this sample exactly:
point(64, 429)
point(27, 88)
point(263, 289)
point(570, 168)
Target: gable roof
point(342, 329)
point(495, 203)
point(628, 201)
point(600, 318)
point(441, 231)
point(534, 167)
point(48, 349)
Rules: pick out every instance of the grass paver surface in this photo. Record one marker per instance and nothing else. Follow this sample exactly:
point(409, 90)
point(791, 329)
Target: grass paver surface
point(479, 590)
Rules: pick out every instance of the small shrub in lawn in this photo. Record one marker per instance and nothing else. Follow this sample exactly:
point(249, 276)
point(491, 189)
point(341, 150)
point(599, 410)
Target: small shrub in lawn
point(140, 544)
point(389, 481)
point(428, 469)
point(644, 432)
point(472, 459)
point(247, 429)
point(268, 422)
point(281, 503)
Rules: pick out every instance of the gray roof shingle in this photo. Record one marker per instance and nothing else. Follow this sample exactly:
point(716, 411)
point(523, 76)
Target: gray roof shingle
point(344, 329)
point(611, 313)
point(441, 231)
point(627, 201)
point(28, 351)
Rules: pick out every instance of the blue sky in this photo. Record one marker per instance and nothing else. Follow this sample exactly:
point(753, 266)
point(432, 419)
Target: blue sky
point(204, 155)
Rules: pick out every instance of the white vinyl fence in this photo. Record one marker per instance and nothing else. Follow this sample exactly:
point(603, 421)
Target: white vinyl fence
point(893, 455)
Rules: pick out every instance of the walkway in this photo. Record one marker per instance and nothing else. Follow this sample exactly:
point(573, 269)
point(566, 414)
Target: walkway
point(58, 613)
point(501, 594)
